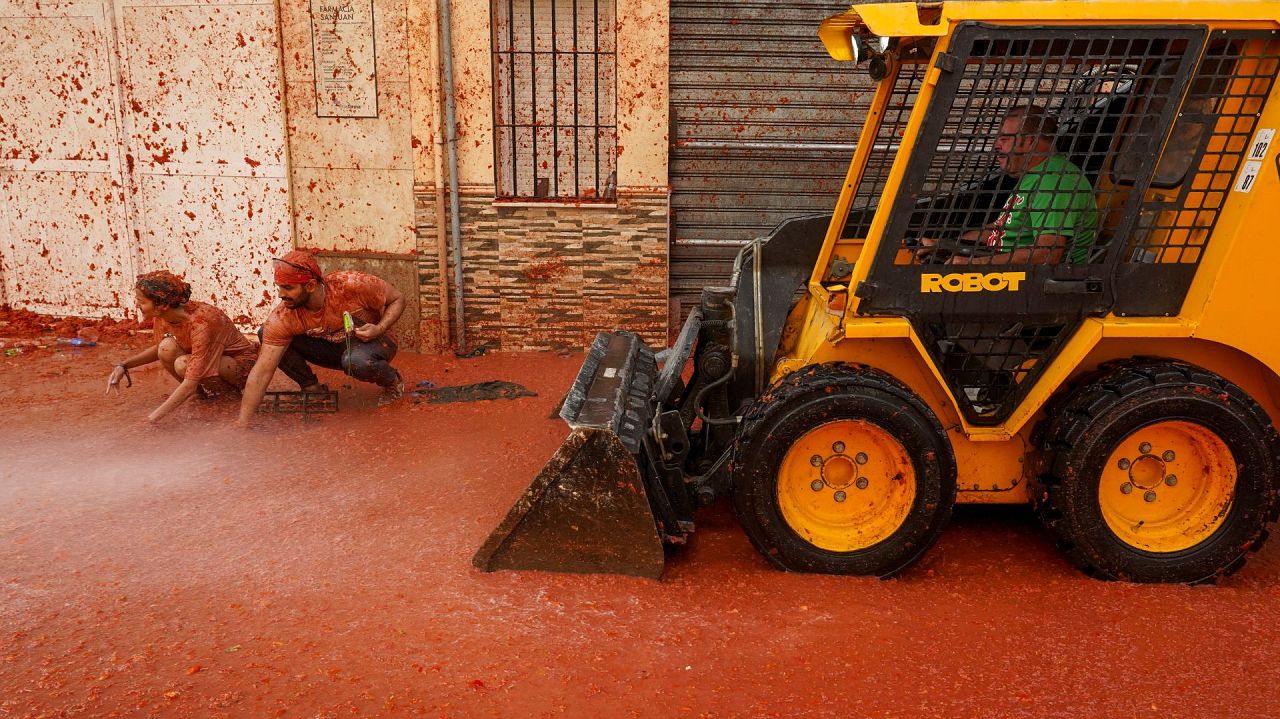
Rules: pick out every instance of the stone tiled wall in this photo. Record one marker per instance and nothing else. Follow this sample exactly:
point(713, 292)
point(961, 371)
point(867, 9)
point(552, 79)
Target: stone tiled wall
point(540, 277)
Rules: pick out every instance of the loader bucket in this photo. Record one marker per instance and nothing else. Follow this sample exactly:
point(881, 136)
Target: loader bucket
point(585, 512)
point(589, 510)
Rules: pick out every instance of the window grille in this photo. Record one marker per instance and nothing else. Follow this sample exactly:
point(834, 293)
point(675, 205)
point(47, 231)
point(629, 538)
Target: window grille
point(1206, 148)
point(554, 99)
point(1089, 94)
point(902, 99)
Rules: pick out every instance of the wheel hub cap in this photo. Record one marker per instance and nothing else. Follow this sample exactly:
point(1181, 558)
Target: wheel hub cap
point(846, 485)
point(1168, 486)
point(838, 471)
point(1147, 472)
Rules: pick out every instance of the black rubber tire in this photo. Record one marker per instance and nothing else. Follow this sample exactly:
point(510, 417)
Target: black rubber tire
point(1088, 424)
point(802, 401)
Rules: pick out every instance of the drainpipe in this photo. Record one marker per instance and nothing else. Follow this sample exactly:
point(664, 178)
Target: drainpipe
point(451, 130)
point(442, 234)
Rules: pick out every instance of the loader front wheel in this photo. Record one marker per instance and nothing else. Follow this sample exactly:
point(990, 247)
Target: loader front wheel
point(842, 470)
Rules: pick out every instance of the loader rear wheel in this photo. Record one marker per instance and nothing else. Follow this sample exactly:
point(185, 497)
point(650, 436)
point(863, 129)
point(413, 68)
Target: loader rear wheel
point(842, 470)
point(1159, 472)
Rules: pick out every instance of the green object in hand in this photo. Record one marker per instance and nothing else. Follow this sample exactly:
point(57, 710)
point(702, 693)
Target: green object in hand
point(347, 325)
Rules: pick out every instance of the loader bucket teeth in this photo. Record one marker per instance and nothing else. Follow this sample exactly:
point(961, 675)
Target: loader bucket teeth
point(586, 512)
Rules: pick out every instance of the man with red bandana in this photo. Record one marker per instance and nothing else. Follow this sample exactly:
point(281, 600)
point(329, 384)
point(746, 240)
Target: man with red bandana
point(307, 328)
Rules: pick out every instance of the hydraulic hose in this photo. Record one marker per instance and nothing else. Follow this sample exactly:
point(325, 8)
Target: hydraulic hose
point(733, 367)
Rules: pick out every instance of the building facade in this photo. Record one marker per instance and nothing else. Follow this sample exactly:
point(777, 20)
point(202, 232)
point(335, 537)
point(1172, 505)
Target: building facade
point(611, 155)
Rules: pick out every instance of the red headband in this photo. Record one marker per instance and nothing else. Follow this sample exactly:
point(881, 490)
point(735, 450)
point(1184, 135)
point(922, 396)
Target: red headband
point(297, 268)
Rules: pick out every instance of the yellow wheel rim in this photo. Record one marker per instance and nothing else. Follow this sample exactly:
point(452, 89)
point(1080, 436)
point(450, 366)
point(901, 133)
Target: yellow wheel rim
point(1168, 486)
point(846, 485)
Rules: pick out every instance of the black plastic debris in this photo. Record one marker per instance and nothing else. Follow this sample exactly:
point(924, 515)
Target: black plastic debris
point(493, 389)
point(477, 351)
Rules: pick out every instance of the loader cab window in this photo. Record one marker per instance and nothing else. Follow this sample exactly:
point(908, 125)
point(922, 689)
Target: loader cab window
point(1202, 163)
point(907, 78)
point(1183, 144)
point(1037, 200)
point(999, 239)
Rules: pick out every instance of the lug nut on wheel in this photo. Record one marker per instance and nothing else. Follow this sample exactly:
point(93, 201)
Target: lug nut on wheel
point(1150, 496)
point(1168, 455)
point(838, 447)
point(816, 485)
point(816, 460)
point(1123, 464)
point(1126, 488)
point(862, 483)
point(839, 496)
point(1145, 448)
point(1171, 480)
point(861, 458)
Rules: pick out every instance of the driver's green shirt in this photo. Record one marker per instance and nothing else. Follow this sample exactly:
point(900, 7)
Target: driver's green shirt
point(1053, 198)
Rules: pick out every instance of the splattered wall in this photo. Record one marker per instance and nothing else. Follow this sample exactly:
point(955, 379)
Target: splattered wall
point(140, 134)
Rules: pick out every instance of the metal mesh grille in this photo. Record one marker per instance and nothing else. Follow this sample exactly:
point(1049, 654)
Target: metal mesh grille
point(892, 126)
point(986, 363)
point(554, 105)
point(1014, 189)
point(1090, 163)
point(1014, 166)
point(1205, 149)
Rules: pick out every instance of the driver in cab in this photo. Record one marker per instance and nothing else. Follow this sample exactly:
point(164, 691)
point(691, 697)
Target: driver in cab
point(1051, 214)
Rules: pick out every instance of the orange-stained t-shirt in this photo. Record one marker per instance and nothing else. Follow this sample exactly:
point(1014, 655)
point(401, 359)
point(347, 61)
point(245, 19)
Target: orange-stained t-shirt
point(207, 336)
point(363, 295)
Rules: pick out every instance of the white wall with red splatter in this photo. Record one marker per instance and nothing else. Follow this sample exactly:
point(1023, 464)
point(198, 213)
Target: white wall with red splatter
point(140, 134)
point(184, 134)
point(352, 177)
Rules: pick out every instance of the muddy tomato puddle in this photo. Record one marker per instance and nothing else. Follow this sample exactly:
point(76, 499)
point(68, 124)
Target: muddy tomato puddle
point(322, 568)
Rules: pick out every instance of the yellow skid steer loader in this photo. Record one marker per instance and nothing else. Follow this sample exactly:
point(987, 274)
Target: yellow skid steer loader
point(1045, 280)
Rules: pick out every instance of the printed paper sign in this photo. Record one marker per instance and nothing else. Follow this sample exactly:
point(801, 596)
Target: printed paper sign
point(342, 47)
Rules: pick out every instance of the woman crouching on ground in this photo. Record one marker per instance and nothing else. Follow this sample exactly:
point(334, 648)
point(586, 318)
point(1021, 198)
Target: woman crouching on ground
point(198, 344)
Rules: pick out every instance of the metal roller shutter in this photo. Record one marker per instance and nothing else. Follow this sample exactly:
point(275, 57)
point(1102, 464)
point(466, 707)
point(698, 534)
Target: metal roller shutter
point(763, 125)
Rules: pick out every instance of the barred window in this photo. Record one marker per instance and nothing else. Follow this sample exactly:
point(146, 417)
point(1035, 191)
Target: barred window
point(554, 99)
